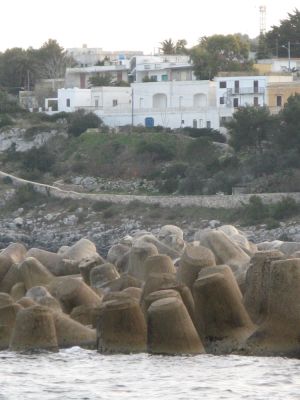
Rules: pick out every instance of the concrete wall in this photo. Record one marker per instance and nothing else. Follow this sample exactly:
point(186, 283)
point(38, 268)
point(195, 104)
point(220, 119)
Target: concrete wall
point(225, 201)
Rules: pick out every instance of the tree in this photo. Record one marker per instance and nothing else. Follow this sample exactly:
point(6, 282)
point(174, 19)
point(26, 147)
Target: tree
point(287, 31)
point(53, 60)
point(101, 80)
point(288, 134)
point(80, 121)
point(180, 47)
point(249, 128)
point(168, 46)
point(220, 53)
point(262, 49)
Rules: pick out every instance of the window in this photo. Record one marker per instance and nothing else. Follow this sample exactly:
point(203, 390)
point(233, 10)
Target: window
point(255, 101)
point(208, 124)
point(200, 123)
point(222, 100)
point(279, 101)
point(153, 78)
point(115, 102)
point(222, 121)
point(223, 85)
point(68, 102)
point(194, 123)
point(236, 86)
point(255, 86)
point(235, 102)
point(96, 102)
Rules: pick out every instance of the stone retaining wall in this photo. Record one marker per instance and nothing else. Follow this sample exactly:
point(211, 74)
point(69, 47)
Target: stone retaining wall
point(215, 201)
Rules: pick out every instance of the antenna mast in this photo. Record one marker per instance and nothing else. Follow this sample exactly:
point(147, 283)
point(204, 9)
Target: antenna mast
point(262, 20)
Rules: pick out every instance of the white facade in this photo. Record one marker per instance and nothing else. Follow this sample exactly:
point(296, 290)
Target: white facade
point(88, 56)
point(175, 104)
point(169, 104)
point(162, 68)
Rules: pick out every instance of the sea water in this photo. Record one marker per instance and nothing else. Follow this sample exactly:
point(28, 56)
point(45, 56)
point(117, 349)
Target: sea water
point(82, 374)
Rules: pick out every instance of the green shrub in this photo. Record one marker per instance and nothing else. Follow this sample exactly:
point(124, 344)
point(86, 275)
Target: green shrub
point(40, 159)
point(5, 120)
point(80, 121)
point(256, 211)
point(7, 180)
point(157, 150)
point(25, 194)
point(101, 205)
point(287, 207)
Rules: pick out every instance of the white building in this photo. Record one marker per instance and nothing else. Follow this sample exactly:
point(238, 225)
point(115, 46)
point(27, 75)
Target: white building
point(239, 91)
point(90, 56)
point(162, 68)
point(169, 104)
point(79, 77)
point(279, 64)
point(175, 104)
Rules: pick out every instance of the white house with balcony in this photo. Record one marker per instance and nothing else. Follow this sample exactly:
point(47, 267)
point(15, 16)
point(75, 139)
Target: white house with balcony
point(233, 92)
point(161, 68)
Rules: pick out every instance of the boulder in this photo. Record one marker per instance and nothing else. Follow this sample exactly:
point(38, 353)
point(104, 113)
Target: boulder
point(170, 329)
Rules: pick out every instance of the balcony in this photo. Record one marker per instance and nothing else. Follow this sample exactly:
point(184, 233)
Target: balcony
point(245, 91)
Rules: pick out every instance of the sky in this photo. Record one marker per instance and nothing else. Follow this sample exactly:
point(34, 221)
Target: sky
point(131, 25)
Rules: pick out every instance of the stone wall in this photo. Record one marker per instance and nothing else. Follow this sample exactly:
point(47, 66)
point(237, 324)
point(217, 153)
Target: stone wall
point(215, 201)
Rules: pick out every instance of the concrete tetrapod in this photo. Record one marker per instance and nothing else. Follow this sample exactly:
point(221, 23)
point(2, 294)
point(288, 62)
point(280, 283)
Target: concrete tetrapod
point(156, 282)
point(194, 258)
point(71, 333)
point(87, 264)
point(5, 264)
point(116, 253)
point(121, 327)
point(279, 334)
point(159, 294)
point(72, 292)
point(8, 313)
point(55, 263)
point(15, 251)
point(227, 252)
point(18, 291)
point(159, 263)
point(34, 330)
point(170, 329)
point(33, 273)
point(139, 252)
point(10, 279)
point(80, 250)
point(172, 236)
point(41, 296)
point(102, 275)
point(221, 319)
point(257, 284)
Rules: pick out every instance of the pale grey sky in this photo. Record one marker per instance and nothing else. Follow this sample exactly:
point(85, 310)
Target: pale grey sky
point(131, 25)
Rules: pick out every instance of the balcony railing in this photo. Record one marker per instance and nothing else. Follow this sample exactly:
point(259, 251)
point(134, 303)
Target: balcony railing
point(246, 90)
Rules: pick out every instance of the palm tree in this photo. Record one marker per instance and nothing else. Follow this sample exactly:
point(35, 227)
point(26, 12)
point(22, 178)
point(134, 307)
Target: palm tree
point(168, 46)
